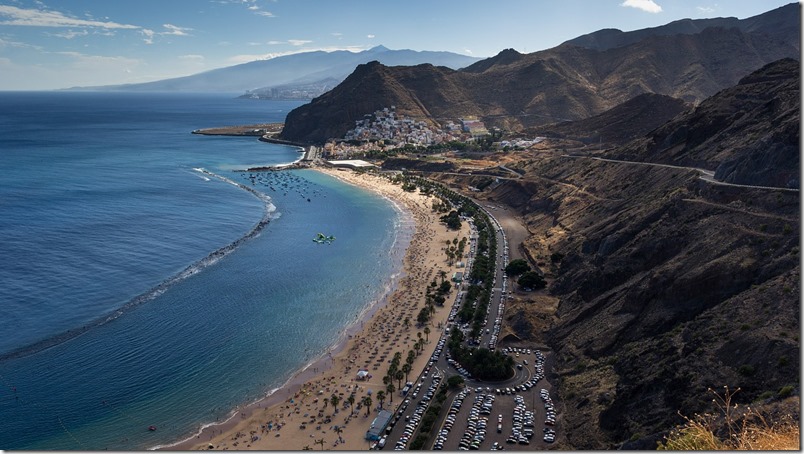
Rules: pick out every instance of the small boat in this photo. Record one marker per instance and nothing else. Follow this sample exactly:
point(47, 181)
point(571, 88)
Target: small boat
point(152, 428)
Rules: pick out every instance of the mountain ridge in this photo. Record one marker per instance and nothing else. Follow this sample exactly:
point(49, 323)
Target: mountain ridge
point(514, 91)
point(294, 69)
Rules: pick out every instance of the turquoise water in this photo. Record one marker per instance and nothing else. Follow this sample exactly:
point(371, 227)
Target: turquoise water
point(116, 312)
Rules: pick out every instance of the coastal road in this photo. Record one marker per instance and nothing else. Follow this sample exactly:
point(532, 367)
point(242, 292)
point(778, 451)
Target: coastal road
point(706, 175)
point(503, 404)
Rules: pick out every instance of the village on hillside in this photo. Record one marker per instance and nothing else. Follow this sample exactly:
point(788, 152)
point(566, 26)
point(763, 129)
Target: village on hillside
point(393, 130)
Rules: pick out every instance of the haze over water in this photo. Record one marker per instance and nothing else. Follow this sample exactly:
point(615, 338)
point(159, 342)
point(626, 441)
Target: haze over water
point(101, 208)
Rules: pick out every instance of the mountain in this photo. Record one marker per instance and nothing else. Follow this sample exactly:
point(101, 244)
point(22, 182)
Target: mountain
point(569, 82)
point(747, 133)
point(665, 285)
point(620, 124)
point(306, 68)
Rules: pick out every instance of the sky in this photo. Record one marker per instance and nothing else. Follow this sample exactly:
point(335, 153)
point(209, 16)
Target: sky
point(53, 44)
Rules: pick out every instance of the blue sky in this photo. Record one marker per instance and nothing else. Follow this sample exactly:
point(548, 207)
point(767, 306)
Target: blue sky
point(52, 44)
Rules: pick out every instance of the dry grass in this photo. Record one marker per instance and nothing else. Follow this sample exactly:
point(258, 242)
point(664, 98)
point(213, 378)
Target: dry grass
point(741, 430)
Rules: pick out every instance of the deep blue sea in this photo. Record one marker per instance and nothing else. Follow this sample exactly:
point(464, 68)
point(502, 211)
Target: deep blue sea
point(116, 312)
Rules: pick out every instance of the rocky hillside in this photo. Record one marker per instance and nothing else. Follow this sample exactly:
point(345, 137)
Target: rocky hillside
point(568, 82)
point(747, 134)
point(620, 124)
point(669, 284)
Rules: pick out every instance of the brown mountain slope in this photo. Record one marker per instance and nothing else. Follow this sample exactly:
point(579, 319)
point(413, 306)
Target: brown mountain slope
point(669, 284)
point(568, 82)
point(620, 124)
point(747, 133)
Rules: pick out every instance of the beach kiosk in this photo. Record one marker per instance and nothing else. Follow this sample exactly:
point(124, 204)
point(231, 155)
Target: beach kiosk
point(378, 425)
point(362, 375)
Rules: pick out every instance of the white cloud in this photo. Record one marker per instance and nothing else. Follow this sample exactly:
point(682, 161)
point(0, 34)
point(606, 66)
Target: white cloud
point(370, 36)
point(176, 31)
point(468, 51)
point(265, 13)
point(192, 57)
point(149, 35)
point(169, 30)
point(100, 60)
point(10, 43)
point(45, 18)
point(298, 42)
point(245, 58)
point(645, 5)
point(705, 9)
point(70, 34)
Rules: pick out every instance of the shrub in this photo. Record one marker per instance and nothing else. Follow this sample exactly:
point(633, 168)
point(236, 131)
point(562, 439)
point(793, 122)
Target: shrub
point(786, 391)
point(750, 431)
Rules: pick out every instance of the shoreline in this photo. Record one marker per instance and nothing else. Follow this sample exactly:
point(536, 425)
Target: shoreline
point(275, 422)
point(318, 365)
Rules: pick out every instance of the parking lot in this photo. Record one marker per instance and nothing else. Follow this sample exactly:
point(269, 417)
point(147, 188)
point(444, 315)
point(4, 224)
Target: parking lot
point(511, 418)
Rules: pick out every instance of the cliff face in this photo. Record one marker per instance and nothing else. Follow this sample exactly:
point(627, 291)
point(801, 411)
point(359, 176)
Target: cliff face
point(669, 284)
point(568, 82)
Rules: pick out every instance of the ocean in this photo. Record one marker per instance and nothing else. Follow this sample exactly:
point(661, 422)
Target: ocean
point(145, 281)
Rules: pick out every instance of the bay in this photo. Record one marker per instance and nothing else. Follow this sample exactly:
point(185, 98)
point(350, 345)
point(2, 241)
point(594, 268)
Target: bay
point(101, 204)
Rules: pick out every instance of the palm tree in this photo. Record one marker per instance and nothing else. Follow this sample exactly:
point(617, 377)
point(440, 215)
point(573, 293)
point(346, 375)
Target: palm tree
point(307, 448)
point(339, 431)
point(442, 274)
point(351, 400)
point(367, 403)
point(381, 397)
point(335, 399)
point(427, 333)
point(320, 441)
point(419, 335)
point(390, 388)
point(399, 376)
point(406, 368)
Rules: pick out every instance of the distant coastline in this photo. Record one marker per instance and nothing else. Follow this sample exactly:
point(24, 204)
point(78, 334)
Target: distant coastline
point(257, 130)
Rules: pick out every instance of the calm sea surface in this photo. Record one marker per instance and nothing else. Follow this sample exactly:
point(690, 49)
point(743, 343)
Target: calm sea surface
point(134, 288)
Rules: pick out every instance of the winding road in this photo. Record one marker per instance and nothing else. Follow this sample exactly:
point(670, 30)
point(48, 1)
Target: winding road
point(706, 175)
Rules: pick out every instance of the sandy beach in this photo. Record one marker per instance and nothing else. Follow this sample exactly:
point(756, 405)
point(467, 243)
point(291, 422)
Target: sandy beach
point(300, 415)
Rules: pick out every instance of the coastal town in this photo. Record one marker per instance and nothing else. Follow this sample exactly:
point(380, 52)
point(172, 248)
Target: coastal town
point(388, 129)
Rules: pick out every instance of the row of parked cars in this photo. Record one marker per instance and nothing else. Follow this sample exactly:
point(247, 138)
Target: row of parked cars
point(461, 370)
point(413, 421)
point(477, 423)
point(549, 408)
point(450, 421)
point(522, 423)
